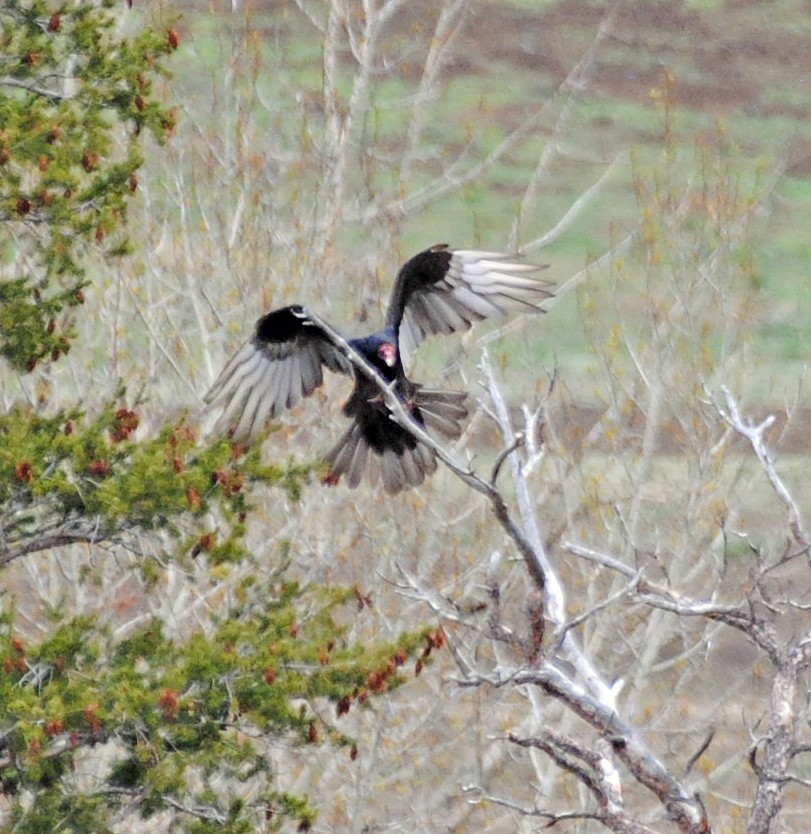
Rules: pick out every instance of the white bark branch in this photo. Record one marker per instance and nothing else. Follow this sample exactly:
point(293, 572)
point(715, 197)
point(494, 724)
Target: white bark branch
point(755, 435)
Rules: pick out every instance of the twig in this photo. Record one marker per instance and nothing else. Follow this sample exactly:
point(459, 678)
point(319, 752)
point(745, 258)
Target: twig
point(575, 209)
point(505, 453)
point(754, 434)
point(32, 88)
point(632, 586)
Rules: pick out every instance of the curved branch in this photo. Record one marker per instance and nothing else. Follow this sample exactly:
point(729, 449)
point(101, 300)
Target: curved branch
point(686, 810)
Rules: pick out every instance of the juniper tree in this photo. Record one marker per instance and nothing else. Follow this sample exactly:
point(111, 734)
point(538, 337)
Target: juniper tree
point(100, 723)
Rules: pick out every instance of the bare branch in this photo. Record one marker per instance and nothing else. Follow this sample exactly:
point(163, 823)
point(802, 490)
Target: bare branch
point(600, 558)
point(573, 85)
point(754, 434)
point(574, 211)
point(686, 810)
point(201, 812)
point(738, 617)
point(448, 25)
point(632, 586)
point(31, 87)
point(554, 600)
point(54, 535)
point(475, 795)
point(597, 773)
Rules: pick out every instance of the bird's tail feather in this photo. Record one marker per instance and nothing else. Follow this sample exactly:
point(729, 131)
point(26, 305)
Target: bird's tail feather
point(442, 411)
point(352, 455)
point(399, 469)
point(348, 456)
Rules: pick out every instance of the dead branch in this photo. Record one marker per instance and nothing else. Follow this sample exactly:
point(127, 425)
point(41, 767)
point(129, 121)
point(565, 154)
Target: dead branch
point(754, 434)
point(686, 810)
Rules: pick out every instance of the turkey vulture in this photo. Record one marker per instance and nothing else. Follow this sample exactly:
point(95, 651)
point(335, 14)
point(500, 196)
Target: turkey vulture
point(441, 290)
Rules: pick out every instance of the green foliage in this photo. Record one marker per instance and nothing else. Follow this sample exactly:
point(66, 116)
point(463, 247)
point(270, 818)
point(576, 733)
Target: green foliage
point(185, 727)
point(185, 724)
point(68, 477)
point(75, 100)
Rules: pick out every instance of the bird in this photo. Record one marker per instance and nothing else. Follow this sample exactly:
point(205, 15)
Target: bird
point(438, 291)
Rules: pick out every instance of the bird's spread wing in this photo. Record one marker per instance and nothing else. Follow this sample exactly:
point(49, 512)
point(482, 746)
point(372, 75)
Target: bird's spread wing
point(442, 290)
point(282, 362)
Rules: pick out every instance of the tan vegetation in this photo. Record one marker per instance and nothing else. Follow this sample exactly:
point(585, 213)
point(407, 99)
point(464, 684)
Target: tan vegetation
point(612, 570)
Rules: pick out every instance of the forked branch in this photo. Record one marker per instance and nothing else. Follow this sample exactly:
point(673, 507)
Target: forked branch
point(594, 704)
point(754, 434)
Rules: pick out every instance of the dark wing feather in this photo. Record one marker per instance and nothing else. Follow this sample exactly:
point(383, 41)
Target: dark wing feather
point(443, 290)
point(280, 364)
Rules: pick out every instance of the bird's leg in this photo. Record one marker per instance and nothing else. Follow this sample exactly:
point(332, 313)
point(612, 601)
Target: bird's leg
point(380, 397)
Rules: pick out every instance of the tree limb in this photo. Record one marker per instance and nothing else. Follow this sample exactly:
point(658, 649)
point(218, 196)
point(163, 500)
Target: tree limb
point(754, 434)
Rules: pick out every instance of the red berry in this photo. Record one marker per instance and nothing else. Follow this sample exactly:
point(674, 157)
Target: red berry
point(54, 727)
point(99, 468)
point(24, 472)
point(92, 718)
point(90, 161)
point(169, 702)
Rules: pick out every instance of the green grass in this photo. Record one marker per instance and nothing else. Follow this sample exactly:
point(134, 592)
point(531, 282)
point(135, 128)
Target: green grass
point(481, 105)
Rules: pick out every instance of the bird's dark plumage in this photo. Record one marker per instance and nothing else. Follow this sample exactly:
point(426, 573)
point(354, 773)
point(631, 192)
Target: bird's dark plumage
point(438, 291)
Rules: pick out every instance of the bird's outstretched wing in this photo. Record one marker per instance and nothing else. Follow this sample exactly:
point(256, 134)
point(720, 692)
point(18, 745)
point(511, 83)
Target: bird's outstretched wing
point(442, 290)
point(281, 363)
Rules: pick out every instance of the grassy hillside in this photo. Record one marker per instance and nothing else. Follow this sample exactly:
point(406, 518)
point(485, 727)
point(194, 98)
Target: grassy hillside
point(735, 78)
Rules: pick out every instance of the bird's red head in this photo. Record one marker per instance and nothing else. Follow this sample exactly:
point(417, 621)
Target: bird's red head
point(388, 353)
